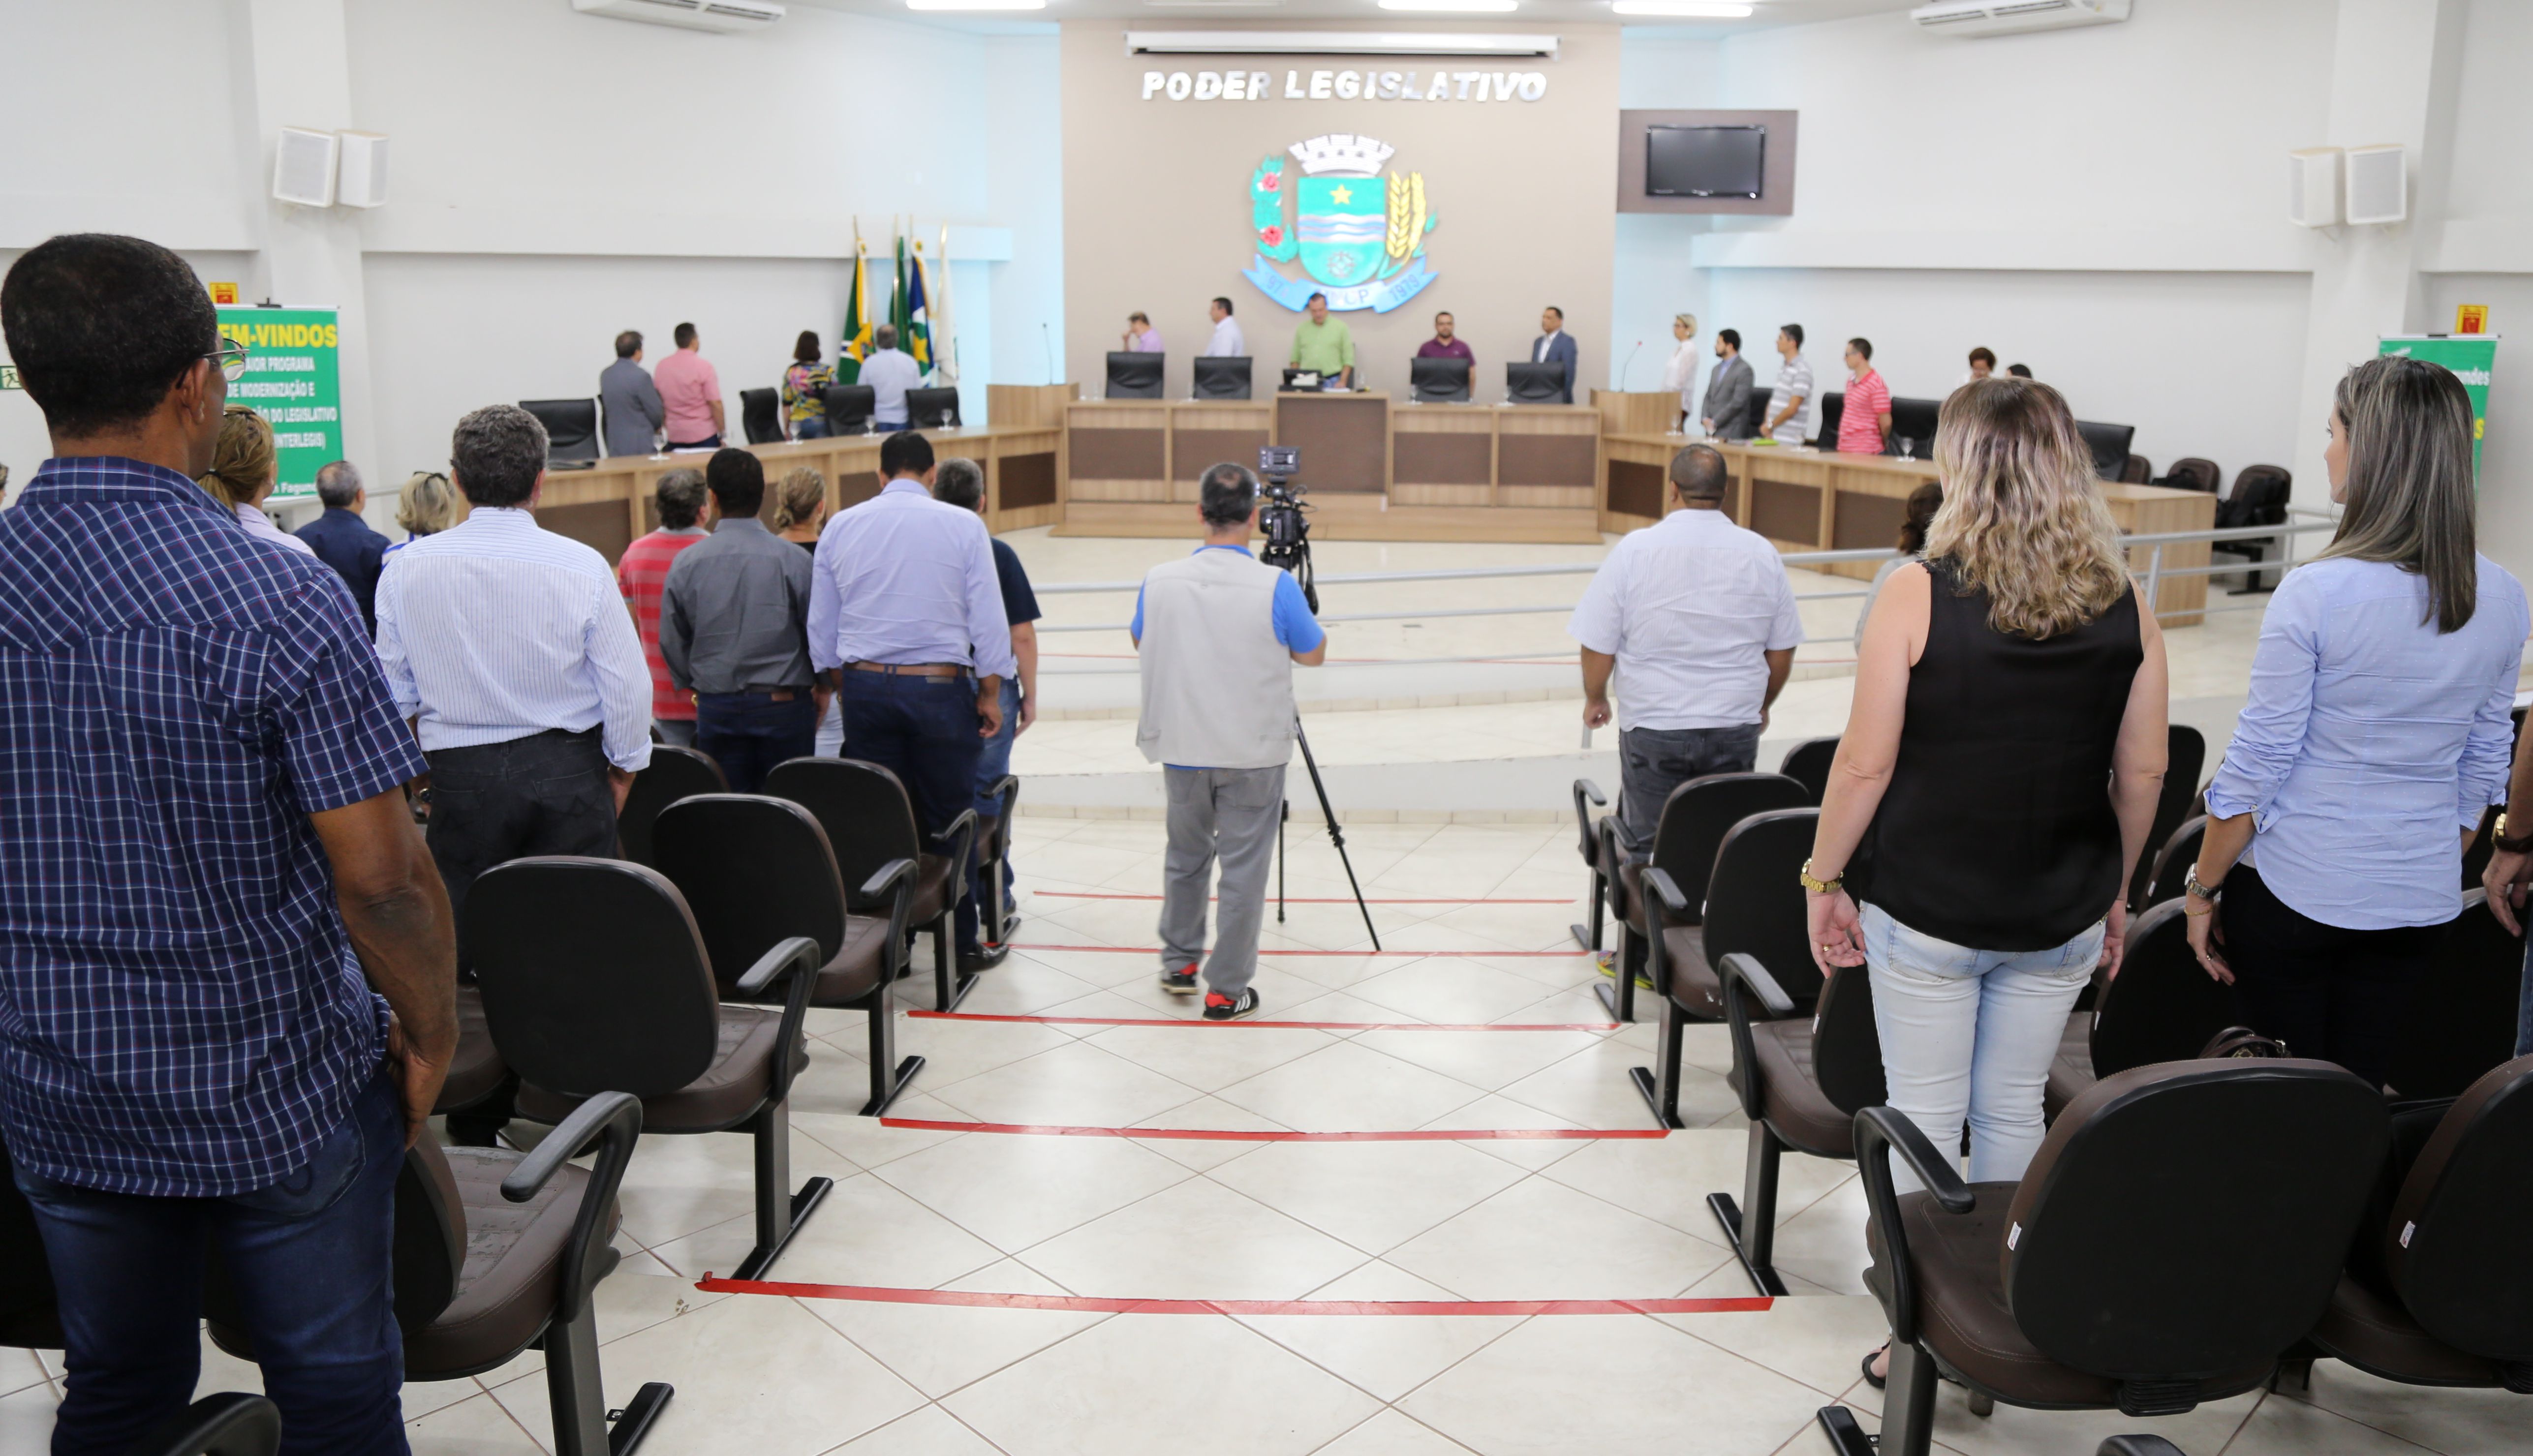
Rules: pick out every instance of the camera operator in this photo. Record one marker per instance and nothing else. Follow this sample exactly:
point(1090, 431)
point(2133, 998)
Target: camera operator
point(1219, 632)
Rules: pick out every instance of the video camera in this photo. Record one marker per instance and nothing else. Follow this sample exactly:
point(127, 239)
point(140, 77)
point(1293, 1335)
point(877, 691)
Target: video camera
point(1281, 517)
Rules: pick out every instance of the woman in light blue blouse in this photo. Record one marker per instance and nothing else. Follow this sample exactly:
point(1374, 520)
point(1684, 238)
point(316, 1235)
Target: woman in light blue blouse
point(2376, 736)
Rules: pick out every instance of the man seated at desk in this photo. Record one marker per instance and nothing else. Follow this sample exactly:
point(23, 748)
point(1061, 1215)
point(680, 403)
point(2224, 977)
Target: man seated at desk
point(1323, 346)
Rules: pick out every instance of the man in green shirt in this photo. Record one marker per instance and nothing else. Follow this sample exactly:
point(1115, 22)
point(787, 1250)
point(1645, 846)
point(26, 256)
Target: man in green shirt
point(1322, 344)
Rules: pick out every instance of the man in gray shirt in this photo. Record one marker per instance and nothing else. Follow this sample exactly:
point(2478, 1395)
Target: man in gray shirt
point(628, 401)
point(734, 631)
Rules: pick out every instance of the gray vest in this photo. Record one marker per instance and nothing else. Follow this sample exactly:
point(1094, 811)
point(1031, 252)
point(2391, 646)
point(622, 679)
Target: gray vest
point(1217, 687)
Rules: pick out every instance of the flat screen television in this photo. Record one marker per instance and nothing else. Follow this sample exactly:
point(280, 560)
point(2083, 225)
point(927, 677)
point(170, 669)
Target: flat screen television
point(1704, 161)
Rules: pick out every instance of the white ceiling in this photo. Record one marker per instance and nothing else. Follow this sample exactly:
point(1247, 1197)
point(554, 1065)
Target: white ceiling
point(1170, 13)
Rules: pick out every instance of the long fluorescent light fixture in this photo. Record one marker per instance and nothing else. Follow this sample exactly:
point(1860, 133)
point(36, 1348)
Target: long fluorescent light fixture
point(1454, 7)
point(1702, 10)
point(975, 4)
point(1334, 43)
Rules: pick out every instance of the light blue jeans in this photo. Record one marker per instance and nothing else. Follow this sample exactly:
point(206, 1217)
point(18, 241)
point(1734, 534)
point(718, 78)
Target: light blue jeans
point(1969, 1034)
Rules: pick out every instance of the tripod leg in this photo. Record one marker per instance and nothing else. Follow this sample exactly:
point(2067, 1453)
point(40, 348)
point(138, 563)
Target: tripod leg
point(1337, 834)
point(1284, 812)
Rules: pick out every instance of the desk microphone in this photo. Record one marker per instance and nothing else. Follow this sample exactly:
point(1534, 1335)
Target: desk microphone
point(1630, 364)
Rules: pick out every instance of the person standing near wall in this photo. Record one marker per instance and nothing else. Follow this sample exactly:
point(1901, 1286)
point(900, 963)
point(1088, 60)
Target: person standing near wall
point(1865, 421)
point(804, 388)
point(641, 572)
point(1728, 390)
point(799, 510)
point(629, 401)
point(1141, 336)
point(1789, 399)
point(1227, 341)
point(889, 372)
point(1679, 371)
point(1555, 346)
point(1217, 633)
point(689, 390)
point(962, 483)
point(734, 629)
point(343, 540)
point(1323, 346)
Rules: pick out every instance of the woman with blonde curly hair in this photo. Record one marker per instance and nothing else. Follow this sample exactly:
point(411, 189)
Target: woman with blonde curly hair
point(243, 470)
point(800, 506)
point(1996, 781)
point(425, 506)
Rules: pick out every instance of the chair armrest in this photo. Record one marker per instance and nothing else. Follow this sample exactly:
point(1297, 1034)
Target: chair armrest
point(1743, 977)
point(800, 950)
point(1612, 855)
point(617, 1119)
point(1877, 1131)
point(799, 958)
point(1003, 790)
point(899, 874)
point(958, 843)
point(1745, 969)
point(1662, 900)
point(1589, 848)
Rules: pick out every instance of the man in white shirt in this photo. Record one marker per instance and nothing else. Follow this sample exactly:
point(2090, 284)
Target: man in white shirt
point(889, 372)
point(1699, 616)
point(1789, 403)
point(1227, 342)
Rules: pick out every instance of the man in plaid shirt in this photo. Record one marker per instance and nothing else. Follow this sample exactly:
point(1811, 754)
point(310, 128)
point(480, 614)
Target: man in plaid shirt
point(227, 976)
point(641, 572)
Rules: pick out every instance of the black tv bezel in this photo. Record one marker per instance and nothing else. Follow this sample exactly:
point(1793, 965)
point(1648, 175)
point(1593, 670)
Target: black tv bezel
point(1761, 128)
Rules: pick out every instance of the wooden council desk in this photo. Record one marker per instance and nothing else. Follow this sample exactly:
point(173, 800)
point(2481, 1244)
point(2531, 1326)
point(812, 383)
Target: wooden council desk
point(1805, 500)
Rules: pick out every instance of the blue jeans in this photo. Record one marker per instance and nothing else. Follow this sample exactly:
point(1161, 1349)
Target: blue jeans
point(1652, 762)
point(991, 766)
point(748, 733)
point(812, 428)
point(311, 1258)
point(1970, 1035)
point(923, 730)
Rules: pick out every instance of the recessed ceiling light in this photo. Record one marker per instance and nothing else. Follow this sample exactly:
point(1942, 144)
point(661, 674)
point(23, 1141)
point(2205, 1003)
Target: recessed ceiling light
point(1454, 7)
point(975, 4)
point(1704, 10)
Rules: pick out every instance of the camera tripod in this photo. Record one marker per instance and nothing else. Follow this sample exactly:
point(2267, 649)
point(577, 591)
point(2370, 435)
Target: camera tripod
point(1336, 836)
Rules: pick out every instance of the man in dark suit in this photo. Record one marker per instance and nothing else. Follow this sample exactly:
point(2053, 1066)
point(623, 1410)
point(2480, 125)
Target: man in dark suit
point(1555, 346)
point(1728, 390)
point(345, 541)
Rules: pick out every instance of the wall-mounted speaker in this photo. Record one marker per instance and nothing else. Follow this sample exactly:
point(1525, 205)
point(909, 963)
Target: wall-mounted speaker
point(361, 180)
point(303, 167)
point(2313, 187)
point(2378, 188)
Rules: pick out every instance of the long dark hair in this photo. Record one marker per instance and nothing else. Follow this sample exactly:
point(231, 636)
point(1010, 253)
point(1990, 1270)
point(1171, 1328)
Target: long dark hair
point(2409, 480)
point(805, 351)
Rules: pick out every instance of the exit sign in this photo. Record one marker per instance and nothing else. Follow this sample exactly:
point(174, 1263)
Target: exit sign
point(9, 376)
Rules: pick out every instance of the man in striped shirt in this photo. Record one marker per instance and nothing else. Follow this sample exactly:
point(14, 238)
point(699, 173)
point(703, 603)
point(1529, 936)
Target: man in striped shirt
point(1790, 402)
point(642, 572)
point(1865, 419)
point(511, 650)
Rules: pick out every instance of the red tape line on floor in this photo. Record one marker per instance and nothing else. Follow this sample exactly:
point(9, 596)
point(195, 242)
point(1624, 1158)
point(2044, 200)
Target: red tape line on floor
point(929, 1014)
point(1081, 1304)
point(1282, 1135)
point(1309, 898)
point(1477, 955)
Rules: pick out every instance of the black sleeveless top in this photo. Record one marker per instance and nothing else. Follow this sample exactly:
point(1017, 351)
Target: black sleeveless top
point(1996, 831)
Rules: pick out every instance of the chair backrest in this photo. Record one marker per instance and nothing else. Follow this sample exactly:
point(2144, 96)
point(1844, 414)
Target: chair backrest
point(2190, 473)
point(1833, 407)
point(1700, 812)
point(2163, 1005)
point(1847, 1047)
point(2462, 1013)
point(2139, 471)
point(849, 408)
point(760, 415)
point(1808, 764)
point(571, 427)
point(2261, 494)
point(673, 773)
point(868, 818)
point(932, 409)
point(30, 1313)
point(594, 976)
point(1754, 415)
point(1134, 375)
point(2169, 868)
point(1754, 904)
point(2185, 752)
point(2455, 1247)
point(2189, 1220)
point(755, 871)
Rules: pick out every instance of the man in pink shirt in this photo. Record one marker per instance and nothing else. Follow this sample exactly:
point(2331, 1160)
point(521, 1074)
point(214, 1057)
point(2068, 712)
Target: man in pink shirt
point(690, 392)
point(1864, 420)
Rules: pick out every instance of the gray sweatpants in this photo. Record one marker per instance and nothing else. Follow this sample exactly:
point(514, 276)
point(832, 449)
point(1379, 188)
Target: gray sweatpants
point(1229, 815)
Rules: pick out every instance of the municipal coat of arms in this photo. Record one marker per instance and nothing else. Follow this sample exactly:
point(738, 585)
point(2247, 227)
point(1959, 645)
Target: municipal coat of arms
point(1359, 233)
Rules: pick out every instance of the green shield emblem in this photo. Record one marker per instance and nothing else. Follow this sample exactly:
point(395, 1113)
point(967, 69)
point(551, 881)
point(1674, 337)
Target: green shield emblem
point(1342, 228)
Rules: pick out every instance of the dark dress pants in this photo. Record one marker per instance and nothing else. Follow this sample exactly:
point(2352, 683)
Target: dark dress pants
point(748, 733)
point(2338, 995)
point(546, 794)
point(925, 730)
point(310, 1257)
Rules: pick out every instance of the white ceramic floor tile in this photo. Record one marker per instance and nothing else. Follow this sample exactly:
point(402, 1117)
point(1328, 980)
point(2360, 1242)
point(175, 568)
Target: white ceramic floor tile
point(867, 1142)
point(1819, 1341)
point(939, 1348)
point(1073, 1085)
point(1207, 1114)
point(1486, 1059)
point(1188, 1384)
point(1449, 989)
point(1015, 1191)
point(1667, 1179)
point(1373, 1196)
point(1540, 1240)
point(866, 1232)
point(478, 1426)
point(929, 1432)
point(677, 1185)
point(1210, 1057)
point(1824, 1242)
point(1349, 1088)
point(1198, 1240)
point(1390, 1433)
point(2281, 1426)
point(2457, 1422)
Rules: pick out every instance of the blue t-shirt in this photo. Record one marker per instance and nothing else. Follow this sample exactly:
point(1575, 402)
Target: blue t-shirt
point(1019, 603)
point(1296, 630)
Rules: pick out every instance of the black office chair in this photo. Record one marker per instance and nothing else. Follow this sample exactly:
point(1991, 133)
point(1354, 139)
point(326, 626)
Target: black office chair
point(673, 773)
point(596, 980)
point(849, 408)
point(1754, 907)
point(2163, 1007)
point(2181, 1228)
point(1754, 415)
point(2258, 498)
point(1135, 375)
point(2185, 754)
point(2168, 871)
point(1833, 407)
point(932, 409)
point(1695, 821)
point(1220, 378)
point(1530, 383)
point(994, 918)
point(2139, 471)
point(2436, 1288)
point(2192, 473)
point(1808, 764)
point(231, 1424)
point(2462, 1013)
point(760, 413)
point(572, 429)
point(869, 821)
point(477, 1094)
point(1588, 797)
point(758, 872)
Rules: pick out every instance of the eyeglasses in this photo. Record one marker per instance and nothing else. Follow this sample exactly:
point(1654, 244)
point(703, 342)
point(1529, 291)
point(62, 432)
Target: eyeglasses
point(231, 359)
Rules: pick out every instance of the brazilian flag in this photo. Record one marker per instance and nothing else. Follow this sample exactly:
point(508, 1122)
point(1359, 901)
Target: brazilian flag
point(857, 318)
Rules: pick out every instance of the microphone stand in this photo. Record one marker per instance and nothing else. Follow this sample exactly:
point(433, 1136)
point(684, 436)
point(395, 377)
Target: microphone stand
point(1630, 364)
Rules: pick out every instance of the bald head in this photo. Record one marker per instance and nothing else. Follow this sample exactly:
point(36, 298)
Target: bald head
point(1698, 473)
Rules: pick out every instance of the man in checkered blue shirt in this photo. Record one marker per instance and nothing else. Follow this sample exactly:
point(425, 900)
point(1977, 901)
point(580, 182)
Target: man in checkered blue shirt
point(227, 976)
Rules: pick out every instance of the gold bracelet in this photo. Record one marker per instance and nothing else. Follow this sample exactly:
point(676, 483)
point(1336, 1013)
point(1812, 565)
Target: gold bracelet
point(2194, 914)
point(1820, 886)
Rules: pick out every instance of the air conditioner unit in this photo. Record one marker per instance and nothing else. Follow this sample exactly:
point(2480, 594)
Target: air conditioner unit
point(1980, 18)
point(303, 167)
point(728, 17)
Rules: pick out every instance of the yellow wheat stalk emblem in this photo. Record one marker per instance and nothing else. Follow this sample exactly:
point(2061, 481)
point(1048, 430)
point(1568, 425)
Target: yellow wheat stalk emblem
point(1406, 213)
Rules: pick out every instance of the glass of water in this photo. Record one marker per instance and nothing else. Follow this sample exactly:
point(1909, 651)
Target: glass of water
point(1908, 447)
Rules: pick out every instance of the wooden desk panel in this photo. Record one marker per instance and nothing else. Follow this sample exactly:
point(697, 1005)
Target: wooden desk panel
point(1344, 439)
point(1443, 454)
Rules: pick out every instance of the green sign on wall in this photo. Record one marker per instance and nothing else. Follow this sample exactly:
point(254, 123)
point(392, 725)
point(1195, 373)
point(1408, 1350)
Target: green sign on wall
point(292, 381)
point(2470, 357)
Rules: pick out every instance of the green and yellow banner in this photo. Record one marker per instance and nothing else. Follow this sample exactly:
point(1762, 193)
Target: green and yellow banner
point(292, 380)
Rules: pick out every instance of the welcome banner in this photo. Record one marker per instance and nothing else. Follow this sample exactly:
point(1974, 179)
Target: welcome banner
point(291, 380)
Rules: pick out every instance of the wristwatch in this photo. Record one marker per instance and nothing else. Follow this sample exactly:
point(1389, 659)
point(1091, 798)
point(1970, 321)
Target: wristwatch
point(2192, 885)
point(1820, 886)
point(2497, 836)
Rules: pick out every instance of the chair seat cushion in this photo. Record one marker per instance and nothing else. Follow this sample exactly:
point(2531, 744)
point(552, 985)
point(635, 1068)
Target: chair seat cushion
point(729, 1091)
point(1694, 987)
point(857, 967)
point(477, 1071)
point(937, 887)
point(2072, 1072)
point(2378, 1336)
point(1958, 1261)
point(1790, 1098)
point(505, 1293)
